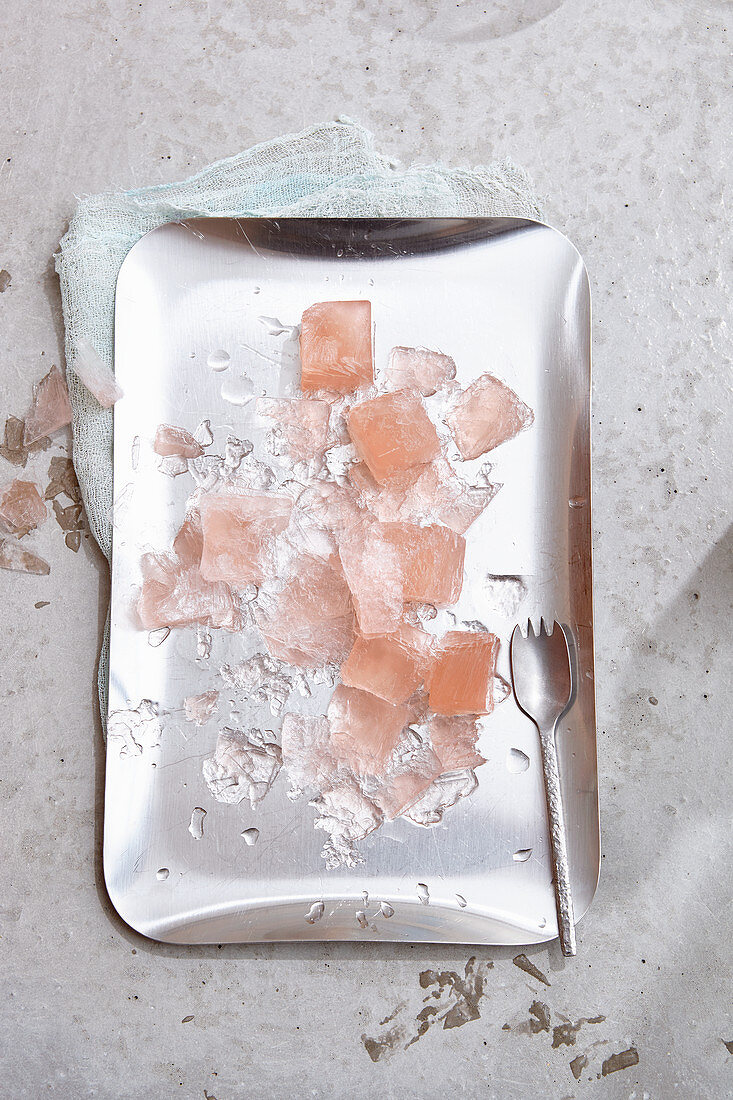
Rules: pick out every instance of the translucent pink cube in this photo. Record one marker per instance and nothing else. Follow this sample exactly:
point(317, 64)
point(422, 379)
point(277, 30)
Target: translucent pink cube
point(238, 532)
point(392, 666)
point(392, 433)
point(485, 415)
point(419, 369)
point(364, 729)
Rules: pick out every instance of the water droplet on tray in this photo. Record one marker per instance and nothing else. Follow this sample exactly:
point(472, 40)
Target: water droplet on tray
point(255, 290)
point(543, 922)
point(157, 637)
point(423, 893)
point(461, 901)
point(237, 389)
point(362, 919)
point(203, 644)
point(274, 327)
point(386, 909)
point(577, 502)
point(219, 360)
point(196, 825)
point(162, 874)
point(522, 855)
point(365, 897)
point(315, 912)
point(250, 836)
point(204, 434)
point(517, 761)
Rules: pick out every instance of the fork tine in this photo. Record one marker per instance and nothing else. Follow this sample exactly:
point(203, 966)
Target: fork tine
point(530, 629)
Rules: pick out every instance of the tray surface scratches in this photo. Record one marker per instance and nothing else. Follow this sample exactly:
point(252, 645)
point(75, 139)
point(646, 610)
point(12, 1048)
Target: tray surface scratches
point(215, 828)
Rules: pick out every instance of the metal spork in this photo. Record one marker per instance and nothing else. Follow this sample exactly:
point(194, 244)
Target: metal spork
point(542, 687)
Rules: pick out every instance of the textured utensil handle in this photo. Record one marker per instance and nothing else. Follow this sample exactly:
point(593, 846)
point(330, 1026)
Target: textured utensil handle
point(558, 842)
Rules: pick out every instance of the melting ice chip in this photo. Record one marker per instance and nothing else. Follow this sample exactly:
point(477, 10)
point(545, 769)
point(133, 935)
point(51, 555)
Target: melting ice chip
point(517, 761)
point(522, 855)
point(361, 919)
point(172, 440)
point(95, 375)
point(250, 836)
point(347, 816)
point(204, 434)
point(136, 729)
point(157, 637)
point(244, 765)
point(21, 508)
point(199, 708)
point(419, 368)
point(423, 893)
point(51, 408)
point(315, 912)
point(196, 824)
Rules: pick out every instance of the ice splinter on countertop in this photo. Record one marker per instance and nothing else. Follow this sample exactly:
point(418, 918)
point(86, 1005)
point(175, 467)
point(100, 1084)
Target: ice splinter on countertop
point(17, 559)
point(21, 508)
point(51, 408)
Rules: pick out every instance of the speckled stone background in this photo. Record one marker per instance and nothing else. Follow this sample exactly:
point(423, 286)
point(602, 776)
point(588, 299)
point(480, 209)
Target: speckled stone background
point(622, 113)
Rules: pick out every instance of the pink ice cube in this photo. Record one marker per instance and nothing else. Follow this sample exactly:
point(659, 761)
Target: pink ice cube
point(95, 375)
point(486, 414)
point(430, 561)
point(302, 424)
point(364, 729)
point(172, 440)
point(454, 741)
point(238, 531)
point(336, 346)
point(392, 666)
point(371, 565)
point(419, 369)
point(392, 433)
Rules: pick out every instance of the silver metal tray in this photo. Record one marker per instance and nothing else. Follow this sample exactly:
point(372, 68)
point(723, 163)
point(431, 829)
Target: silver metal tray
point(506, 296)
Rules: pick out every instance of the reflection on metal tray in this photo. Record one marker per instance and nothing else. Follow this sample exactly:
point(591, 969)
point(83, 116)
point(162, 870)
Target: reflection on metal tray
point(500, 295)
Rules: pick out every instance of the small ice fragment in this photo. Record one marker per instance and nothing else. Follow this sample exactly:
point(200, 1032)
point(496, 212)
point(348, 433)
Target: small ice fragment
point(157, 637)
point(219, 360)
point(361, 919)
point(162, 874)
point(73, 540)
point(420, 369)
point(234, 451)
point(14, 449)
point(135, 729)
point(260, 677)
point(365, 897)
point(386, 909)
point(306, 749)
point(172, 440)
point(21, 508)
point(199, 708)
point(501, 690)
point(522, 855)
point(486, 414)
point(392, 433)
point(51, 408)
point(443, 793)
point(173, 465)
point(302, 425)
point(517, 761)
point(339, 460)
point(315, 912)
point(336, 346)
point(135, 452)
point(250, 836)
point(237, 389)
point(196, 825)
point(244, 765)
point(505, 594)
point(461, 901)
point(203, 644)
point(453, 741)
point(347, 816)
point(95, 374)
point(273, 327)
point(204, 434)
point(577, 502)
point(423, 893)
point(14, 558)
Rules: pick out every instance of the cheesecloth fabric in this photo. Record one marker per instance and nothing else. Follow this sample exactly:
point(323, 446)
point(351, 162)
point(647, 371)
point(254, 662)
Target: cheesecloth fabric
point(331, 170)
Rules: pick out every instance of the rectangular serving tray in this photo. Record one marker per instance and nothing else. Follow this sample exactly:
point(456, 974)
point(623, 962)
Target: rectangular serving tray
point(501, 295)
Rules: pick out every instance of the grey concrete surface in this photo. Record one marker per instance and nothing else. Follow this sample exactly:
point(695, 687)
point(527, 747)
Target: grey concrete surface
point(622, 113)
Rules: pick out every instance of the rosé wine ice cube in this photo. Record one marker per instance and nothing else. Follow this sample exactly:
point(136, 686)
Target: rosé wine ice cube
point(306, 748)
point(336, 346)
point(310, 622)
point(419, 369)
point(364, 729)
point(431, 561)
point(19, 560)
point(96, 375)
point(372, 568)
point(238, 531)
point(21, 508)
point(486, 414)
point(51, 408)
point(174, 594)
point(171, 440)
point(454, 741)
point(463, 674)
point(392, 433)
point(392, 666)
point(199, 708)
point(302, 424)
